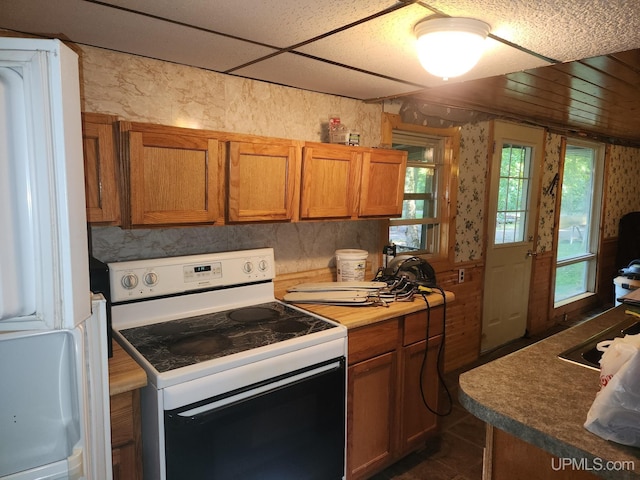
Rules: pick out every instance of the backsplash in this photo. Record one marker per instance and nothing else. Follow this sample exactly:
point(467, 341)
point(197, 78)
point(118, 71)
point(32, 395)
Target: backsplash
point(297, 246)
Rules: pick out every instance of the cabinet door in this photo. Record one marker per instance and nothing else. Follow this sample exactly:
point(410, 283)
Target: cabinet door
point(370, 415)
point(382, 190)
point(330, 181)
point(125, 436)
point(417, 421)
point(175, 178)
point(100, 169)
point(262, 181)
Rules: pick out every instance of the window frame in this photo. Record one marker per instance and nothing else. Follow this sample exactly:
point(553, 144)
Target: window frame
point(595, 239)
point(448, 186)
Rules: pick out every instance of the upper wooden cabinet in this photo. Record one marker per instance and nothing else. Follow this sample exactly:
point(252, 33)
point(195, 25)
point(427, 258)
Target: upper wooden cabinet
point(382, 187)
point(330, 178)
point(350, 182)
point(100, 169)
point(167, 175)
point(262, 182)
point(172, 176)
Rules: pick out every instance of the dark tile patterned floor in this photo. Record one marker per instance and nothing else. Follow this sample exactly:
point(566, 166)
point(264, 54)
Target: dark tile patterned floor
point(456, 454)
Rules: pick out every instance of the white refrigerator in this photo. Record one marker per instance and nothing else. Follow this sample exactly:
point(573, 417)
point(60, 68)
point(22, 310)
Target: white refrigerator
point(54, 395)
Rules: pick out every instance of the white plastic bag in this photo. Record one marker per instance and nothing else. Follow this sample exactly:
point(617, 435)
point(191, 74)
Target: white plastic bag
point(615, 412)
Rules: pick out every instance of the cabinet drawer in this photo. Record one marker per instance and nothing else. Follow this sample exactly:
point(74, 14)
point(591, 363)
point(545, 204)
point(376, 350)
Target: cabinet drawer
point(370, 341)
point(415, 325)
point(122, 424)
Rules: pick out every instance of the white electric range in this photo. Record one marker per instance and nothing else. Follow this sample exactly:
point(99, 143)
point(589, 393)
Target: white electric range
point(240, 385)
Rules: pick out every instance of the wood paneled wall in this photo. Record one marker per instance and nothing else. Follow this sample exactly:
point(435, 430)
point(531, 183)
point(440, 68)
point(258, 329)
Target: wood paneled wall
point(540, 294)
point(464, 315)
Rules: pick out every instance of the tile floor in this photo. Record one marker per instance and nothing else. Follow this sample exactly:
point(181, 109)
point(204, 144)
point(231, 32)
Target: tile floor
point(456, 454)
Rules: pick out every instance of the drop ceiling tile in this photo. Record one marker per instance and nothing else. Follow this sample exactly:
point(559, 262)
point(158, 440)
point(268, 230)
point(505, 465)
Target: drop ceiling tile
point(281, 24)
point(387, 46)
point(309, 74)
point(564, 30)
point(96, 25)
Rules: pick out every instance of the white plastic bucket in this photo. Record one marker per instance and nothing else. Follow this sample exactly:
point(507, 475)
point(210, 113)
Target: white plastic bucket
point(624, 285)
point(351, 265)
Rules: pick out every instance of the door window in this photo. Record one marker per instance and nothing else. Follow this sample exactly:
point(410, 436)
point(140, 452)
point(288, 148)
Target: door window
point(513, 194)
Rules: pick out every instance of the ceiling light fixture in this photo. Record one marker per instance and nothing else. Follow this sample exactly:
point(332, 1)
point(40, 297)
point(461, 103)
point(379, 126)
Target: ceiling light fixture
point(449, 47)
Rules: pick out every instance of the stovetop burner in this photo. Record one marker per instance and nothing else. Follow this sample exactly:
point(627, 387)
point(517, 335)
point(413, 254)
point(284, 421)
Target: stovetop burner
point(182, 342)
point(200, 344)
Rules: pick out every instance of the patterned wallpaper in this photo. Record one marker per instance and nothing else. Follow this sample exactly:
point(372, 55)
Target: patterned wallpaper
point(622, 191)
point(474, 158)
point(550, 168)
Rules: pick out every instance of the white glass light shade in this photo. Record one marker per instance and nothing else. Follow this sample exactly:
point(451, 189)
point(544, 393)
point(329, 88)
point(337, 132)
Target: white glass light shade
point(450, 47)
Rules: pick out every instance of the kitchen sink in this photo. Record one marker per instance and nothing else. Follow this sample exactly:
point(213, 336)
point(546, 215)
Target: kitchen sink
point(586, 353)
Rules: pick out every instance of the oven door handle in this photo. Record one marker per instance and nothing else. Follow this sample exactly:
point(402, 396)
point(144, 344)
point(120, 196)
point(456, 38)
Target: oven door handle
point(201, 412)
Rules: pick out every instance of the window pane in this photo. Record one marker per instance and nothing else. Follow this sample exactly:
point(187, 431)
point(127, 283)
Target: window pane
point(576, 204)
point(578, 235)
point(513, 194)
point(418, 154)
point(418, 228)
point(571, 280)
point(411, 238)
point(419, 180)
point(412, 209)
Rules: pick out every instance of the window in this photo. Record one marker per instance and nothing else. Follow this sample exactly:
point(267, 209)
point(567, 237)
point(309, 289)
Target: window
point(513, 194)
point(424, 225)
point(418, 230)
point(579, 221)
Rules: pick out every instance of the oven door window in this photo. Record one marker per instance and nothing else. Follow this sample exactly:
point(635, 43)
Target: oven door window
point(289, 429)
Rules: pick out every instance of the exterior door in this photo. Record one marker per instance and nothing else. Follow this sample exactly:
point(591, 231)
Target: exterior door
point(512, 216)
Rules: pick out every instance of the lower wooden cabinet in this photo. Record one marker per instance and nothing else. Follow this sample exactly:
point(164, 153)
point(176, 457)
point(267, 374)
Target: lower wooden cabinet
point(507, 457)
point(419, 386)
point(126, 378)
point(371, 409)
point(386, 415)
point(126, 444)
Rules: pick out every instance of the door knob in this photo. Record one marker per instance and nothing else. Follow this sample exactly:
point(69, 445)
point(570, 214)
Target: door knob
point(531, 253)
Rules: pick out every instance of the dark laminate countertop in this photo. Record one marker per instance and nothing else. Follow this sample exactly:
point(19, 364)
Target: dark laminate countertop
point(534, 395)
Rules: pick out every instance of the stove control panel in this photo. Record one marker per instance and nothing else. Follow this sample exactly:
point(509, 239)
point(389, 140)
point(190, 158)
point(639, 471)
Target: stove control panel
point(140, 279)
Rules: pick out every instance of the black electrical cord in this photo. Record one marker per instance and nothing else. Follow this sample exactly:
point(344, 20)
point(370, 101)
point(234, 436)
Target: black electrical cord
point(439, 358)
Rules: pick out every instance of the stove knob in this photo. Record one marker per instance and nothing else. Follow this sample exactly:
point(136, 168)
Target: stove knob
point(150, 279)
point(129, 281)
point(263, 265)
point(248, 267)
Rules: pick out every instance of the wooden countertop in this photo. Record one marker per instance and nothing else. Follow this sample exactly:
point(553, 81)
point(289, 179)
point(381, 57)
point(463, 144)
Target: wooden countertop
point(542, 399)
point(354, 317)
point(124, 373)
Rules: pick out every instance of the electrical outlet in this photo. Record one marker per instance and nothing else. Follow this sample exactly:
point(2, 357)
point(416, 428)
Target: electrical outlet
point(461, 275)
